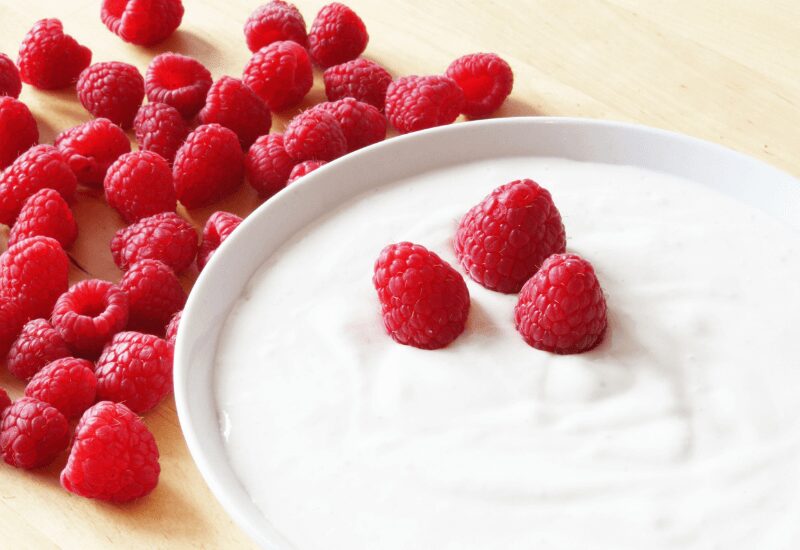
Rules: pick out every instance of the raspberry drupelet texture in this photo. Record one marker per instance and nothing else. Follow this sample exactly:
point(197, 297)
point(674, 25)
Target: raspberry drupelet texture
point(32, 433)
point(268, 165)
point(160, 128)
point(37, 345)
point(46, 214)
point(114, 457)
point(304, 168)
point(34, 272)
point(91, 147)
point(10, 82)
point(362, 124)
point(18, 130)
point(50, 59)
point(424, 301)
point(562, 308)
point(142, 22)
point(5, 400)
point(360, 79)
point(12, 318)
point(69, 384)
point(139, 185)
point(112, 90)
point(135, 369)
point(273, 22)
point(208, 166)
point(280, 74)
point(231, 103)
point(165, 237)
point(486, 80)
point(179, 81)
point(419, 102)
point(218, 228)
point(89, 314)
point(502, 241)
point(314, 135)
point(172, 328)
point(337, 35)
point(154, 295)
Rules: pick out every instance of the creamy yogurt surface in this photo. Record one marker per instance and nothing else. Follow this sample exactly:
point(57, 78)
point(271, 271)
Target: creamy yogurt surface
point(681, 431)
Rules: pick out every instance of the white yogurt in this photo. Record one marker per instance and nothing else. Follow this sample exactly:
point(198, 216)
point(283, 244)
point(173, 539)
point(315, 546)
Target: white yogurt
point(681, 431)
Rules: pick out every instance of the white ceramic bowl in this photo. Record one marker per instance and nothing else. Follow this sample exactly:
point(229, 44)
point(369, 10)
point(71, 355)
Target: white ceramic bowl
point(273, 223)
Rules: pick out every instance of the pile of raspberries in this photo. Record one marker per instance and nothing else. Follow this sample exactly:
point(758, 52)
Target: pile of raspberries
point(97, 354)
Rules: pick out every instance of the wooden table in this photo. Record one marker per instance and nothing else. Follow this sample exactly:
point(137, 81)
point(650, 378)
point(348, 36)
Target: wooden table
point(723, 70)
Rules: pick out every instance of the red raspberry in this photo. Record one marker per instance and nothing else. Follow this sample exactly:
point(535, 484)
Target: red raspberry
point(68, 384)
point(337, 35)
point(32, 433)
point(218, 228)
point(91, 147)
point(314, 135)
point(89, 314)
point(18, 130)
point(142, 22)
point(114, 456)
point(10, 83)
point(274, 22)
point(37, 345)
point(35, 272)
point(160, 128)
point(304, 168)
point(40, 167)
point(179, 81)
point(12, 318)
point(172, 328)
point(139, 185)
point(419, 102)
point(154, 295)
point(280, 74)
point(112, 90)
point(424, 301)
point(362, 124)
point(562, 308)
point(50, 59)
point(5, 400)
point(360, 79)
point(502, 241)
point(46, 214)
point(165, 237)
point(208, 166)
point(486, 80)
point(231, 103)
point(135, 369)
point(268, 165)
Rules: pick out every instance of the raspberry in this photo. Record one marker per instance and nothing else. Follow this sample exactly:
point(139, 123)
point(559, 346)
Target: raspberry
point(112, 90)
point(280, 74)
point(337, 35)
point(5, 400)
point(232, 104)
point(562, 308)
point(424, 301)
point(135, 369)
point(10, 83)
point(208, 166)
point(179, 81)
point(139, 185)
point(502, 241)
point(360, 79)
point(91, 147)
point(50, 59)
point(273, 22)
point(32, 433)
point(68, 384)
point(114, 456)
point(268, 165)
point(142, 22)
point(304, 168)
point(218, 228)
point(172, 328)
point(314, 135)
point(154, 295)
point(35, 273)
point(18, 130)
point(362, 124)
point(160, 128)
point(418, 102)
point(37, 345)
point(47, 214)
point(12, 318)
point(40, 167)
point(486, 80)
point(89, 314)
point(165, 237)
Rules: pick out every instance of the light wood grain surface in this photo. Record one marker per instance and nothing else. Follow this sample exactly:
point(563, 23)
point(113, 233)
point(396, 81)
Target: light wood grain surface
point(723, 70)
